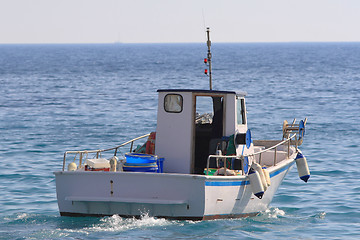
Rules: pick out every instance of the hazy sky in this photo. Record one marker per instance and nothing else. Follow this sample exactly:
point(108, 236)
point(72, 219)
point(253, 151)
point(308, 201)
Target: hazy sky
point(137, 21)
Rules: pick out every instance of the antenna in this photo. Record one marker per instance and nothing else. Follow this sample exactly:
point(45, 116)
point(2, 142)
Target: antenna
point(203, 15)
point(207, 60)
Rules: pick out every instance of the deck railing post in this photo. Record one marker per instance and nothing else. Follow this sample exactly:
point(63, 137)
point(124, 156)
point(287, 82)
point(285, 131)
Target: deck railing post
point(131, 147)
point(242, 164)
point(259, 158)
point(275, 153)
point(288, 148)
point(64, 161)
point(80, 159)
point(207, 166)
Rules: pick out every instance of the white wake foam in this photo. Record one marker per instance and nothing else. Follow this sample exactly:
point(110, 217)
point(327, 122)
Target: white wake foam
point(274, 213)
point(116, 223)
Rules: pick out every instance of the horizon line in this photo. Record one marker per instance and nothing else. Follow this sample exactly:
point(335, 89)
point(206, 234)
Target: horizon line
point(140, 43)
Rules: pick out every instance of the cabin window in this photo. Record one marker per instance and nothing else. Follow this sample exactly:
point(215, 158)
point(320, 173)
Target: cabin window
point(173, 103)
point(240, 102)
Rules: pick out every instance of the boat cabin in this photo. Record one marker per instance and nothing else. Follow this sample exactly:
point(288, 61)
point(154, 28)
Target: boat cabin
point(192, 124)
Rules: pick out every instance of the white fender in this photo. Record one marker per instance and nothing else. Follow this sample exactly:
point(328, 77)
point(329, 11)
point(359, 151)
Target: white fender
point(255, 183)
point(267, 176)
point(120, 165)
point(113, 163)
point(258, 168)
point(72, 167)
point(302, 167)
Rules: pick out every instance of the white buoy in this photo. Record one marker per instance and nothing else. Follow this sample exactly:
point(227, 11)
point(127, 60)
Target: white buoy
point(258, 168)
point(267, 176)
point(255, 183)
point(72, 167)
point(302, 167)
point(113, 163)
point(224, 172)
point(120, 165)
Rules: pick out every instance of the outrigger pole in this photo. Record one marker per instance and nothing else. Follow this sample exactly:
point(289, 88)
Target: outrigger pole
point(208, 59)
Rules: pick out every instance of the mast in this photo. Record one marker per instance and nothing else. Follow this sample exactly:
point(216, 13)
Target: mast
point(208, 59)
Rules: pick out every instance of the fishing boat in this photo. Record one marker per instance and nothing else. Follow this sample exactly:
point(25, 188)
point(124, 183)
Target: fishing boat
point(195, 166)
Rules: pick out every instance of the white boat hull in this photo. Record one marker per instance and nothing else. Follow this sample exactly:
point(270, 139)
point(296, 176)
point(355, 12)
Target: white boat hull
point(167, 195)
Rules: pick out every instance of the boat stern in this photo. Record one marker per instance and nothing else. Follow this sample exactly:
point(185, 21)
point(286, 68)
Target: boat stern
point(177, 196)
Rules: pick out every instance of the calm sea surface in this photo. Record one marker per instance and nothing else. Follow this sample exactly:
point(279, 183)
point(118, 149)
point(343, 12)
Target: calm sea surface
point(55, 98)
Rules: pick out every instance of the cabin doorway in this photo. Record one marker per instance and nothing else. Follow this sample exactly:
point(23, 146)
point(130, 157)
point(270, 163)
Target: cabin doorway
point(209, 119)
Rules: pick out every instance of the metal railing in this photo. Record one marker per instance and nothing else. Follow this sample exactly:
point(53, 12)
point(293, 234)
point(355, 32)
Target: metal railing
point(288, 141)
point(217, 159)
point(242, 157)
point(99, 151)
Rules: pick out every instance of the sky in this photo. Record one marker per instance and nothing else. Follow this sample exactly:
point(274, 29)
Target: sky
point(177, 21)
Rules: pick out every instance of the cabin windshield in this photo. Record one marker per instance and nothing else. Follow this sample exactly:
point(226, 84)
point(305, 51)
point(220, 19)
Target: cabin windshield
point(204, 110)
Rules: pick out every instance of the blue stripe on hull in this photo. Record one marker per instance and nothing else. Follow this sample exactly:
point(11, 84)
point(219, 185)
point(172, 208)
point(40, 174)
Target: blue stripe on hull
point(233, 183)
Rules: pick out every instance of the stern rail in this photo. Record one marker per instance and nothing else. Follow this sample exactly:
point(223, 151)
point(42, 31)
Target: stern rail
point(99, 151)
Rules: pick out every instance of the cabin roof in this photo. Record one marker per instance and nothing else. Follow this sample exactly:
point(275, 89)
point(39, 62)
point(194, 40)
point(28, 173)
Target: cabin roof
point(240, 93)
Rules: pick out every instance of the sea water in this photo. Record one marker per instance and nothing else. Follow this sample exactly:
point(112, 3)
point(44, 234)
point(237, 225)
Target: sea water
point(55, 98)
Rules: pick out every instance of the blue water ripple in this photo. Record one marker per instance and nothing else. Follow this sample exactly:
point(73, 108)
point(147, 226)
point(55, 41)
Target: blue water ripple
point(55, 98)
